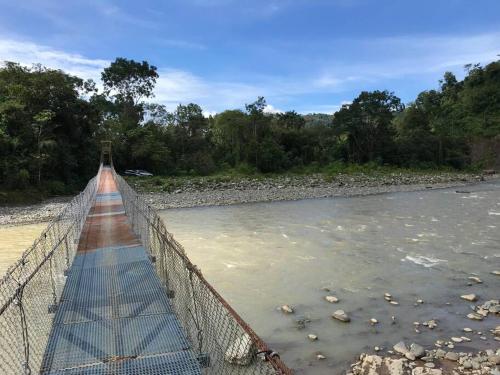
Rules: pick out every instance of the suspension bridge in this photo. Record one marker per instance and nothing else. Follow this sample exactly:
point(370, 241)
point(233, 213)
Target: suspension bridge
point(106, 289)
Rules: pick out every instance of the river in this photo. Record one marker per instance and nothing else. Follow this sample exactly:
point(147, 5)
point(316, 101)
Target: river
point(418, 245)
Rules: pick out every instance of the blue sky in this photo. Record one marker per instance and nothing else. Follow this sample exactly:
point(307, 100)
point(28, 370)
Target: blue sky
point(306, 55)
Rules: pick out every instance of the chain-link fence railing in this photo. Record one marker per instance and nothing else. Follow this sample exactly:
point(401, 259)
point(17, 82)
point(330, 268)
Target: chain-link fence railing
point(224, 343)
point(31, 289)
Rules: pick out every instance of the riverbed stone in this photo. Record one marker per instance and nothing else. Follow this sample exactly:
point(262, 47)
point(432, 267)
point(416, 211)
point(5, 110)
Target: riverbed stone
point(495, 359)
point(456, 339)
point(370, 365)
point(475, 316)
point(475, 279)
point(417, 350)
point(394, 366)
point(426, 371)
point(342, 316)
point(469, 297)
point(401, 348)
point(440, 353)
point(332, 299)
point(312, 337)
point(240, 352)
point(452, 356)
point(287, 309)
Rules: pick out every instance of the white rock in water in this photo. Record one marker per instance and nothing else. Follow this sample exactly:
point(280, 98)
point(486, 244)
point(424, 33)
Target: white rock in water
point(496, 272)
point(387, 295)
point(469, 297)
point(320, 357)
point(312, 337)
point(287, 309)
point(240, 351)
point(475, 316)
point(332, 299)
point(475, 279)
point(420, 301)
point(467, 329)
point(341, 315)
point(456, 339)
point(373, 321)
point(394, 303)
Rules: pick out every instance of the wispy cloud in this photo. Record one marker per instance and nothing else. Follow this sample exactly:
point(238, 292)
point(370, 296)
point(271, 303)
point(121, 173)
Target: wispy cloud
point(28, 53)
point(320, 88)
point(402, 56)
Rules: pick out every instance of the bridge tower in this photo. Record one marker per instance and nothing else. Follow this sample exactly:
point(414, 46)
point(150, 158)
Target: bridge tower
point(106, 156)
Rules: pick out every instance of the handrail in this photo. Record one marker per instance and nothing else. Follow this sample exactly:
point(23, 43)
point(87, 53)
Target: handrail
point(31, 289)
point(202, 311)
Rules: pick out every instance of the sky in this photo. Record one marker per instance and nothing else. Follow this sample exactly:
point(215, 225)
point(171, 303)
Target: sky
point(305, 55)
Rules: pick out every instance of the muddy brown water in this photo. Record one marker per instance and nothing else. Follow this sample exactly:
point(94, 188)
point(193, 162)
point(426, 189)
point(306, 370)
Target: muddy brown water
point(418, 245)
point(14, 240)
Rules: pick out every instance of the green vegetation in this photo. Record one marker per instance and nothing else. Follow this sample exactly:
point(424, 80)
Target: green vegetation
point(51, 125)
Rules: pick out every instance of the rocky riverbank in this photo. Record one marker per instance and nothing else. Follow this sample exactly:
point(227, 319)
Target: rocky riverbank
point(428, 362)
point(199, 191)
point(33, 213)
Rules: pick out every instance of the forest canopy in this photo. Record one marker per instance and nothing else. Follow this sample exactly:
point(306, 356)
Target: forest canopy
point(51, 125)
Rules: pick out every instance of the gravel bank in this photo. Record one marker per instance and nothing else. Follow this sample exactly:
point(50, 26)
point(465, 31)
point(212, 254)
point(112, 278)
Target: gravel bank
point(248, 190)
point(302, 187)
point(33, 213)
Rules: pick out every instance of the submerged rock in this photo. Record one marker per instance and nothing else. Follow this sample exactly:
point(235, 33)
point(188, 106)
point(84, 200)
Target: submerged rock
point(287, 309)
point(312, 337)
point(342, 316)
point(469, 297)
point(332, 299)
point(475, 279)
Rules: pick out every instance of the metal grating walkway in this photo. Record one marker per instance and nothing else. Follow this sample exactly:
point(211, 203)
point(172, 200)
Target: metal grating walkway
point(114, 316)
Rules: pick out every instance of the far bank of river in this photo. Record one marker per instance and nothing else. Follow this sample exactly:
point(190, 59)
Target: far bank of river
point(198, 192)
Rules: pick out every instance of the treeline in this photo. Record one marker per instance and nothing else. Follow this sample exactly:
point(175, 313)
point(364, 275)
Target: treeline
point(51, 125)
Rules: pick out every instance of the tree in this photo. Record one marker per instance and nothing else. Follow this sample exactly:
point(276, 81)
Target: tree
point(367, 125)
point(130, 80)
point(256, 112)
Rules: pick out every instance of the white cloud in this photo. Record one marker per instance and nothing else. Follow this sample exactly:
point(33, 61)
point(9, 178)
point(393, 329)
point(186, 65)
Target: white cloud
point(28, 53)
point(272, 110)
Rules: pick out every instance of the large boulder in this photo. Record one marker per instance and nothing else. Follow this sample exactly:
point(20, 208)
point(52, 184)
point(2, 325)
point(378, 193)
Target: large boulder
point(240, 352)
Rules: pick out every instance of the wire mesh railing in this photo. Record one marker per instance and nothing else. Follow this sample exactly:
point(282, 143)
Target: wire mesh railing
point(223, 342)
point(31, 289)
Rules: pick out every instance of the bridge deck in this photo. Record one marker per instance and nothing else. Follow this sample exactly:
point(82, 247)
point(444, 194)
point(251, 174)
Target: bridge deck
point(114, 316)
